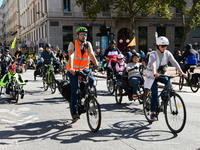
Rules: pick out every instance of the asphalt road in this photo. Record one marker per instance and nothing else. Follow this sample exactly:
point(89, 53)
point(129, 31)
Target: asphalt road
point(42, 121)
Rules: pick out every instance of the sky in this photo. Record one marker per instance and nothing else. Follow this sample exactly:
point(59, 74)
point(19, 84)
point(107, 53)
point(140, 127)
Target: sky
point(1, 1)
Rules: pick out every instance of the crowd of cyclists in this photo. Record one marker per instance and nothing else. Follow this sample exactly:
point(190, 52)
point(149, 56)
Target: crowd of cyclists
point(80, 53)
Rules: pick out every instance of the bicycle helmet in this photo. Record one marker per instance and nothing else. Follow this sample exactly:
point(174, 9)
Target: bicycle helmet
point(112, 42)
point(162, 40)
point(81, 29)
point(12, 67)
point(6, 50)
point(48, 45)
point(120, 56)
point(136, 54)
point(41, 49)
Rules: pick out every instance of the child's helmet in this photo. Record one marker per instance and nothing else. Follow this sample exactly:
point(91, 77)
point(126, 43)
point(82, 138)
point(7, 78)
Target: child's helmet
point(11, 67)
point(120, 56)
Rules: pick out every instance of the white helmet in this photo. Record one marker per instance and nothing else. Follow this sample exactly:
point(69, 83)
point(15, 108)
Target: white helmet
point(120, 56)
point(41, 48)
point(162, 40)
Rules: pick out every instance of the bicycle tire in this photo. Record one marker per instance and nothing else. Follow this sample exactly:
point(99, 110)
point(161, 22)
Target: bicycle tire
point(94, 90)
point(181, 79)
point(110, 86)
point(141, 94)
point(16, 92)
point(118, 94)
point(147, 106)
point(195, 87)
point(93, 113)
point(1, 88)
point(52, 83)
point(175, 113)
point(45, 85)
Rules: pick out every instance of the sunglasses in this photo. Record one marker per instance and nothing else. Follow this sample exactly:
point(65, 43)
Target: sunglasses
point(163, 46)
point(83, 35)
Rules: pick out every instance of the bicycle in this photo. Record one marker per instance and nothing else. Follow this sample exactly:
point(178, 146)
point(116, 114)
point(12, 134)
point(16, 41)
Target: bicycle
point(172, 105)
point(14, 88)
point(87, 102)
point(49, 78)
point(111, 81)
point(193, 79)
point(126, 90)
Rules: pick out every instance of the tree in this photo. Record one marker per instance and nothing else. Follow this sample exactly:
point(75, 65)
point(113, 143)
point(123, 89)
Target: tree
point(190, 18)
point(132, 7)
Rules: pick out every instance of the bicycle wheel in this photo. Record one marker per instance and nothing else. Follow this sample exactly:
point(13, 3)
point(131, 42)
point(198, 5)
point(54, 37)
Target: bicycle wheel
point(181, 79)
point(94, 91)
point(110, 86)
point(141, 94)
point(147, 106)
point(1, 88)
point(93, 113)
point(195, 86)
point(118, 94)
point(175, 113)
point(45, 85)
point(52, 83)
point(16, 93)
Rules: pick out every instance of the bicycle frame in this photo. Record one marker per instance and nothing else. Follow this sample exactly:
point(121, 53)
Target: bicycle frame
point(49, 70)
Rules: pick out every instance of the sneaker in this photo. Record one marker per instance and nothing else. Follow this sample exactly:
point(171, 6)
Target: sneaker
point(153, 117)
point(75, 117)
point(134, 96)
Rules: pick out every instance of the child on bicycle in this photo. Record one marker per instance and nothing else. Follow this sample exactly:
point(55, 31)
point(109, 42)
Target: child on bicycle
point(134, 76)
point(7, 78)
point(120, 65)
point(157, 65)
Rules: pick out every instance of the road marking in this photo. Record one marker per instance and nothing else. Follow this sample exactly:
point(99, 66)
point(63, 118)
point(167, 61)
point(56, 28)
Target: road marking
point(15, 114)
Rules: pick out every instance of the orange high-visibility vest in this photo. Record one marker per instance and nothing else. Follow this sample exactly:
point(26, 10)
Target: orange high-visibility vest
point(80, 61)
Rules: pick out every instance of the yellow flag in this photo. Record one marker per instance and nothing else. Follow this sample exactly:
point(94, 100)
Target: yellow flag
point(14, 43)
point(132, 43)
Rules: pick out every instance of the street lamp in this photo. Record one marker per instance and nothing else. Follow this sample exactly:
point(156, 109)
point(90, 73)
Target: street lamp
point(39, 12)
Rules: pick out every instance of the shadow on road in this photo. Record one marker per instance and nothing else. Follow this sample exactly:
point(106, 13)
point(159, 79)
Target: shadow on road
point(62, 130)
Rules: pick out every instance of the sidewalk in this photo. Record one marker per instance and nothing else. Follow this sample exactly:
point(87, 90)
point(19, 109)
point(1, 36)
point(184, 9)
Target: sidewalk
point(171, 71)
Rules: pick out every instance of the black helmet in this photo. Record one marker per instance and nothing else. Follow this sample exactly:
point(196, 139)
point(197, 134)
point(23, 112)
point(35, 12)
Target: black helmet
point(6, 50)
point(112, 42)
point(48, 45)
point(81, 29)
point(136, 54)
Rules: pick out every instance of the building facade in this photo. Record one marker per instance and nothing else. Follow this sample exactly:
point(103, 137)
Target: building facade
point(36, 22)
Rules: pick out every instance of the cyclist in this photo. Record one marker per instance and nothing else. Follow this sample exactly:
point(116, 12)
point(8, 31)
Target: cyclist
point(38, 61)
point(191, 56)
point(134, 76)
point(157, 65)
point(7, 77)
point(6, 60)
point(80, 53)
point(47, 56)
point(19, 56)
point(111, 53)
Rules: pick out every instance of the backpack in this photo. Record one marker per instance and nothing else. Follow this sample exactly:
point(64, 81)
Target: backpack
point(124, 79)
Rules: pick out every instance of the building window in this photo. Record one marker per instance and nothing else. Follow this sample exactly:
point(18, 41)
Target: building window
point(54, 23)
point(67, 36)
point(178, 36)
point(142, 41)
point(196, 33)
point(66, 5)
point(161, 31)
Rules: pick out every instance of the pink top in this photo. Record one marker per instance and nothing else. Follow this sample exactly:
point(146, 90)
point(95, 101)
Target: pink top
point(120, 66)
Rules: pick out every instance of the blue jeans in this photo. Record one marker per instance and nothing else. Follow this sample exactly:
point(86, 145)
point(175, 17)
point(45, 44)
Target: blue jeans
point(134, 82)
point(74, 88)
point(154, 92)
